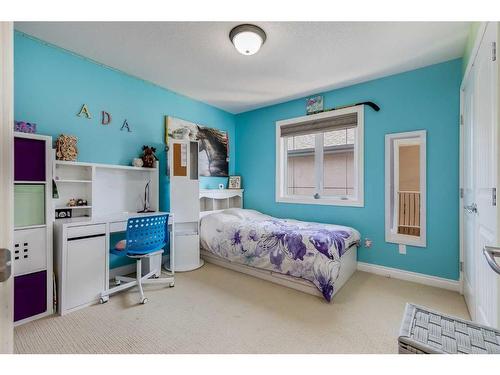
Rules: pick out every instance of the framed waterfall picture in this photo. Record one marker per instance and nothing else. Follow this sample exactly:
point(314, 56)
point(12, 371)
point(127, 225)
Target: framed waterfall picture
point(213, 151)
point(234, 182)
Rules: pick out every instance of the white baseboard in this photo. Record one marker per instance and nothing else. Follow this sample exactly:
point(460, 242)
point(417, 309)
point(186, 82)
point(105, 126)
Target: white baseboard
point(415, 277)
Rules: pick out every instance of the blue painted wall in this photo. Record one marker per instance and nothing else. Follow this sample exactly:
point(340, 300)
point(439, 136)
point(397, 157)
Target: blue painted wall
point(426, 98)
point(52, 84)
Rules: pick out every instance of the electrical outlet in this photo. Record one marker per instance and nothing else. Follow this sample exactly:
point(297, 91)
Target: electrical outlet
point(368, 243)
point(402, 248)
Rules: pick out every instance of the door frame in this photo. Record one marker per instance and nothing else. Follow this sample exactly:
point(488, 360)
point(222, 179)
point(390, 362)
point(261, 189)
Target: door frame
point(475, 48)
point(7, 177)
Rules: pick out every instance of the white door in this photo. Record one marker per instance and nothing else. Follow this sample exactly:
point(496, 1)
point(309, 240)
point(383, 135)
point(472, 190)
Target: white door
point(469, 216)
point(6, 185)
point(481, 283)
point(485, 118)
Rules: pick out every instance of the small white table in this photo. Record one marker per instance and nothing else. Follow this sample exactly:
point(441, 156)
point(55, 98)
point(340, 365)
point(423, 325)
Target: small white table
point(82, 256)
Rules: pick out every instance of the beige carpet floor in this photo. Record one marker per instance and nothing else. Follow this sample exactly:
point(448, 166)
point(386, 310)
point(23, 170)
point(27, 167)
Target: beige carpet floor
point(214, 310)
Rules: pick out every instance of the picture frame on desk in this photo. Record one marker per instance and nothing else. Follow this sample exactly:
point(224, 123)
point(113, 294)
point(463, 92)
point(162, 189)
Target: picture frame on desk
point(63, 213)
point(234, 182)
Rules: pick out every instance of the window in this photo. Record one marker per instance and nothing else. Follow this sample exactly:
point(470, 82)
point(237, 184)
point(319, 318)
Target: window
point(405, 193)
point(319, 158)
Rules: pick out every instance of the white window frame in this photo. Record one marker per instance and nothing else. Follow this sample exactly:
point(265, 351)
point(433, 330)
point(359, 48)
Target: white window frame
point(357, 199)
point(418, 137)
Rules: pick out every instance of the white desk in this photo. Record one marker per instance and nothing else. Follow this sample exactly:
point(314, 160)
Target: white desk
point(82, 257)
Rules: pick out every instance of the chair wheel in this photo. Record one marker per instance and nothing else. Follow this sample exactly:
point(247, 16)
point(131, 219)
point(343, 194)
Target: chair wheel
point(144, 301)
point(117, 282)
point(172, 285)
point(103, 300)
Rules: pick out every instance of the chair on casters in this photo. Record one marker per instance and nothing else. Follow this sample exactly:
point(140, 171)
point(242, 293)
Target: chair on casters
point(146, 237)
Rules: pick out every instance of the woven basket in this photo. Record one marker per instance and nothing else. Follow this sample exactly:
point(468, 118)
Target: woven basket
point(424, 331)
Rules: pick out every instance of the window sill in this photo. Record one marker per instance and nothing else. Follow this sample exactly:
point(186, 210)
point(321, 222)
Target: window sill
point(402, 239)
point(322, 201)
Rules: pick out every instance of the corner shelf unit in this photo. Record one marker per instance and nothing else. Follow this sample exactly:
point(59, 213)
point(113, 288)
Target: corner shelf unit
point(107, 188)
point(33, 224)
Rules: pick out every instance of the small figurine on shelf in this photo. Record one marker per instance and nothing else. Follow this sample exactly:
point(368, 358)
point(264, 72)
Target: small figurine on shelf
point(72, 202)
point(137, 162)
point(81, 202)
point(149, 157)
point(66, 147)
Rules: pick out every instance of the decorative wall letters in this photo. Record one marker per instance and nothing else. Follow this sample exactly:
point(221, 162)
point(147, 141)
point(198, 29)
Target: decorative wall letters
point(125, 125)
point(84, 111)
point(106, 118)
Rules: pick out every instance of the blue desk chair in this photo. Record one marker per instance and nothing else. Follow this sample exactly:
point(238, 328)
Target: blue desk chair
point(146, 237)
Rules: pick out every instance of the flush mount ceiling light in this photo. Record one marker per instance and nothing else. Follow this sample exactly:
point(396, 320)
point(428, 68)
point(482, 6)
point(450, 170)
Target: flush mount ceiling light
point(247, 39)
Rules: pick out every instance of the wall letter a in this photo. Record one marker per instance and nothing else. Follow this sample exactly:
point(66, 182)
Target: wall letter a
point(125, 125)
point(84, 111)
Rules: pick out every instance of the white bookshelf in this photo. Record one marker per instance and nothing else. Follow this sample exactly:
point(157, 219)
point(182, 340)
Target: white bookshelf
point(107, 188)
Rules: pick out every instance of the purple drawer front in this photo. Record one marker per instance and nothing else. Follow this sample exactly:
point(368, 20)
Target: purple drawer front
point(29, 159)
point(30, 295)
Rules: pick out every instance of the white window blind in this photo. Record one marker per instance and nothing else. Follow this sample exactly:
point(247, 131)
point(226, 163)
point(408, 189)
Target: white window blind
point(345, 121)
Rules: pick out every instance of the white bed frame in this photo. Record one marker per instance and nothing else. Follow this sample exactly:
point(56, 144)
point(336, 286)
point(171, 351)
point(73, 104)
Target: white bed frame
point(348, 261)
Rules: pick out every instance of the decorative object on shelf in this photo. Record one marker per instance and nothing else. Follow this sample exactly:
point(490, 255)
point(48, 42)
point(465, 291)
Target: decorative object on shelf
point(105, 118)
point(84, 111)
point(126, 126)
point(213, 155)
point(221, 186)
point(71, 202)
point(63, 213)
point(149, 157)
point(66, 147)
point(24, 127)
point(55, 192)
point(314, 105)
point(81, 202)
point(234, 182)
point(137, 162)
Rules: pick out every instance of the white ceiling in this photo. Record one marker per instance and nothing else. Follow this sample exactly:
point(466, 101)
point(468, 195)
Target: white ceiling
point(298, 59)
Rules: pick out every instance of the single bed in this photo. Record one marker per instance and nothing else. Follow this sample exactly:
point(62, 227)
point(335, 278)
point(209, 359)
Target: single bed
point(310, 257)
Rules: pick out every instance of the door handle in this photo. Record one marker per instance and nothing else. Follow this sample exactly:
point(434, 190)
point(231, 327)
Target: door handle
point(471, 208)
point(490, 252)
point(5, 265)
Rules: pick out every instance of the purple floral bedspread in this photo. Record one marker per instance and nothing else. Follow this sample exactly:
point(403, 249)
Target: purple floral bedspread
point(310, 251)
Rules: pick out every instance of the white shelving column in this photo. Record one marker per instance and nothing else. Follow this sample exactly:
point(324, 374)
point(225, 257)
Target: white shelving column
point(184, 203)
point(33, 225)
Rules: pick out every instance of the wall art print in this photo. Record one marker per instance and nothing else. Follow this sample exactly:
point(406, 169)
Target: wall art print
point(213, 156)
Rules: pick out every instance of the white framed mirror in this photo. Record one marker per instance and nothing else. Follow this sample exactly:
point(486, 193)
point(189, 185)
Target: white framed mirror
point(405, 188)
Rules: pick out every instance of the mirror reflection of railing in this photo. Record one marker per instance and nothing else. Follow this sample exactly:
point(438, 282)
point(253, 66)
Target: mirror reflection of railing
point(409, 213)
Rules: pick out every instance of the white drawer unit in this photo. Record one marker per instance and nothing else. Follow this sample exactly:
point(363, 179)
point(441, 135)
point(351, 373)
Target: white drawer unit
point(84, 282)
point(30, 250)
point(187, 256)
point(86, 230)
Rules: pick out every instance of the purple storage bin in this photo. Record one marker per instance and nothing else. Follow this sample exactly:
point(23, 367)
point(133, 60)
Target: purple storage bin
point(29, 159)
point(30, 295)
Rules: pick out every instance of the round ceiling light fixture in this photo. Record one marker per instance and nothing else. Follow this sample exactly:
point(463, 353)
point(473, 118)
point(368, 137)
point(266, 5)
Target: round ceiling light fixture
point(247, 39)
